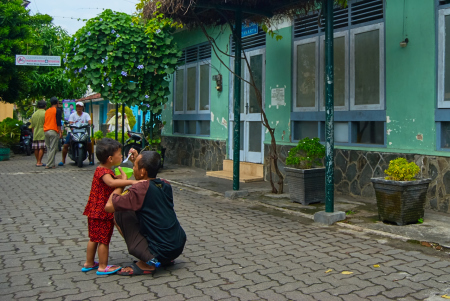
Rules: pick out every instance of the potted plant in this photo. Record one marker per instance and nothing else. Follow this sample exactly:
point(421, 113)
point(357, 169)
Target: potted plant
point(305, 179)
point(400, 196)
point(9, 136)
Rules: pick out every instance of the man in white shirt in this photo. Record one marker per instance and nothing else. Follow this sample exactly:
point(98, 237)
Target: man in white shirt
point(77, 117)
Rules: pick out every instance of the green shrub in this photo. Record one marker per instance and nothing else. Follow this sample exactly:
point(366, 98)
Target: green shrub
point(98, 135)
point(10, 132)
point(307, 153)
point(112, 135)
point(400, 170)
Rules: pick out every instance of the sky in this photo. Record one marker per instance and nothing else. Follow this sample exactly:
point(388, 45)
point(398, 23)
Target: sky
point(65, 13)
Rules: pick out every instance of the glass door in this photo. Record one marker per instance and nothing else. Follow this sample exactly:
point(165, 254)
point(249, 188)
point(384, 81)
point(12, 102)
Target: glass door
point(251, 129)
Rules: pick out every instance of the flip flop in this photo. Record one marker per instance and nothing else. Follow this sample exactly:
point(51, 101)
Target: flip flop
point(107, 271)
point(60, 164)
point(163, 265)
point(136, 271)
point(40, 165)
point(95, 266)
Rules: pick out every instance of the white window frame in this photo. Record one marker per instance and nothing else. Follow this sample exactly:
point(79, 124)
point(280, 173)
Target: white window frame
point(175, 91)
point(294, 103)
point(353, 33)
point(442, 104)
point(339, 34)
point(202, 63)
point(197, 88)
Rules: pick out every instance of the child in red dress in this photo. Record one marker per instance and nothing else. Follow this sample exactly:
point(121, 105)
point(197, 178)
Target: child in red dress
point(101, 223)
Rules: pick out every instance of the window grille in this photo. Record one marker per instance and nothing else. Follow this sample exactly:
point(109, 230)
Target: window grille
point(253, 41)
point(365, 11)
point(195, 53)
point(360, 12)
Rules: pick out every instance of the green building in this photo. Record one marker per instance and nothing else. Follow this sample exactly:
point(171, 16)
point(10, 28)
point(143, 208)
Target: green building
point(392, 93)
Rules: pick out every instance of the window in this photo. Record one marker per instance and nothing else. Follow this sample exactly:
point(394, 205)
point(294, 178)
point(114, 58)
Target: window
point(442, 112)
point(192, 88)
point(359, 88)
point(444, 59)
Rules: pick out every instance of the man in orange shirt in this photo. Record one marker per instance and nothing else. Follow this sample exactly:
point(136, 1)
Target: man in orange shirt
point(52, 131)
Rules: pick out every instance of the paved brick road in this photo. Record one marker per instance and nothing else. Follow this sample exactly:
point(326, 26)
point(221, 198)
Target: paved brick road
point(234, 252)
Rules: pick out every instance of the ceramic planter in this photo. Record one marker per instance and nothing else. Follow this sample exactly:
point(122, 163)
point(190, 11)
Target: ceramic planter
point(4, 153)
point(400, 202)
point(306, 186)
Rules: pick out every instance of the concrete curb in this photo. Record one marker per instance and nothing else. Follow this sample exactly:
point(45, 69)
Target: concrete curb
point(301, 214)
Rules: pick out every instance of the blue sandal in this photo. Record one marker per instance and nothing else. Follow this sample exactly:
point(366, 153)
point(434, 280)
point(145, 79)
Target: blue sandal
point(107, 271)
point(95, 266)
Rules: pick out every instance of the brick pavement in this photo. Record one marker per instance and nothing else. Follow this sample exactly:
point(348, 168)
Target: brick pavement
point(235, 251)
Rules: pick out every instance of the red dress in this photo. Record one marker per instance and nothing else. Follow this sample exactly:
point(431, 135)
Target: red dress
point(100, 222)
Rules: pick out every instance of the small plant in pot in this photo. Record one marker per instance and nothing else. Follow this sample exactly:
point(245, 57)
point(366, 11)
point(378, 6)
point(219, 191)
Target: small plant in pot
point(9, 136)
point(400, 196)
point(306, 177)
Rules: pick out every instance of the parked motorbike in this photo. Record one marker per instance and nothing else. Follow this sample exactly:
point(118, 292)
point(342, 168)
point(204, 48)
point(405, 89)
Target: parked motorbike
point(79, 137)
point(26, 139)
point(135, 141)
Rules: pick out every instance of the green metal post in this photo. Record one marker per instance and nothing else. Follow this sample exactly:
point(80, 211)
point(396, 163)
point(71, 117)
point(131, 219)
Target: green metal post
point(151, 124)
point(143, 128)
point(237, 100)
point(123, 127)
point(117, 122)
point(329, 106)
point(91, 110)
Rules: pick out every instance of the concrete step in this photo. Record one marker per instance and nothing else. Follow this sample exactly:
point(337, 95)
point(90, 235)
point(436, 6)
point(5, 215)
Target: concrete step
point(248, 172)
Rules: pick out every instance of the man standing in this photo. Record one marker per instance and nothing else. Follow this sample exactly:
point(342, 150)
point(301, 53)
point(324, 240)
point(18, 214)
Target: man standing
point(52, 131)
point(37, 126)
point(81, 117)
point(145, 217)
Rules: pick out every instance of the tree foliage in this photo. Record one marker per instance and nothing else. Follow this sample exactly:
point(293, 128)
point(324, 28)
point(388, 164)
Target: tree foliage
point(16, 27)
point(125, 60)
point(21, 33)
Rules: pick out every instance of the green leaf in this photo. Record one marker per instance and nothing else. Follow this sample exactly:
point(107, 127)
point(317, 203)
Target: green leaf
point(131, 86)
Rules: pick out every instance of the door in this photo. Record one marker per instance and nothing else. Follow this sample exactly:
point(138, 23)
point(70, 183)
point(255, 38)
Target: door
point(251, 128)
point(96, 117)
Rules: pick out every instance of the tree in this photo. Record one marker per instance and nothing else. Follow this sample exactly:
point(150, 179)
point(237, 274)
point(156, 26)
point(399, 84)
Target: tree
point(16, 27)
point(46, 81)
point(124, 59)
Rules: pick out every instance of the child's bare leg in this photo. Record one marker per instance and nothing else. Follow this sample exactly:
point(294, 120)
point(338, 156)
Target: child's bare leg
point(90, 253)
point(103, 253)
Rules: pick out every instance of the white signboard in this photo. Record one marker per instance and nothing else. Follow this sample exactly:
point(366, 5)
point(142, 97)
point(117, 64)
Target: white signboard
point(278, 97)
point(37, 60)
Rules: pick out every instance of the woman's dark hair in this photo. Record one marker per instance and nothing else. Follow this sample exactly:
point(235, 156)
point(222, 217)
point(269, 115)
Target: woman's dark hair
point(53, 101)
point(41, 104)
point(150, 161)
point(106, 147)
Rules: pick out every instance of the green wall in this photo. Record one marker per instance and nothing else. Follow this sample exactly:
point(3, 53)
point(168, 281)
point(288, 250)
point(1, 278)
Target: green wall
point(410, 76)
point(279, 75)
point(410, 80)
point(219, 100)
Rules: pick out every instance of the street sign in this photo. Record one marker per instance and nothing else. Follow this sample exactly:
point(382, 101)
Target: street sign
point(249, 30)
point(37, 60)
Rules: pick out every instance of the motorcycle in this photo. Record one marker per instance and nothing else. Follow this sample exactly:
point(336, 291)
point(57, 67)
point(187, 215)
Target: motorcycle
point(79, 137)
point(135, 141)
point(26, 139)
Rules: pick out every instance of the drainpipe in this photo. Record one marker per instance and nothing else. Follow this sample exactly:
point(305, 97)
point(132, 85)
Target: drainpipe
point(237, 100)
point(329, 106)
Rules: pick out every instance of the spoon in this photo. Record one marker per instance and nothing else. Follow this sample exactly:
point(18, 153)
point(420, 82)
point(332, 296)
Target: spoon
point(126, 160)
